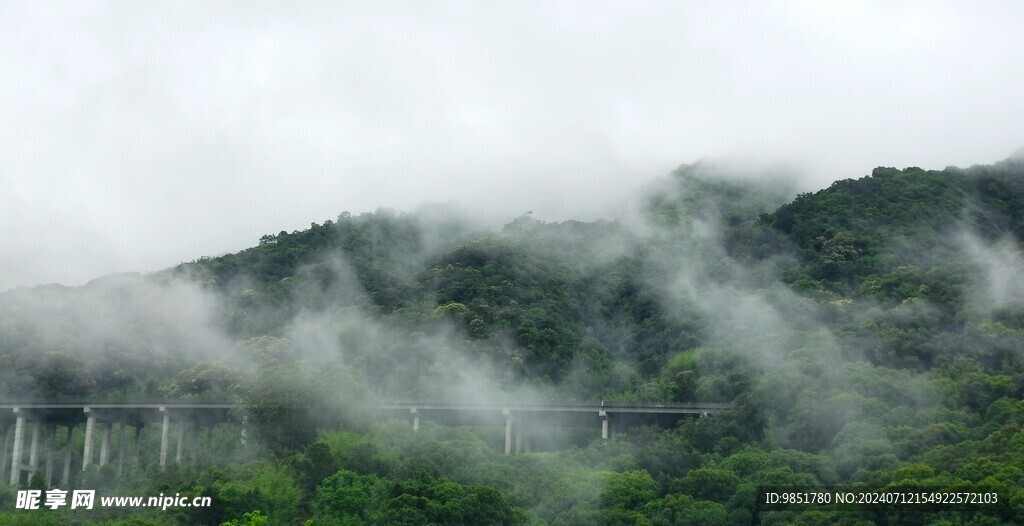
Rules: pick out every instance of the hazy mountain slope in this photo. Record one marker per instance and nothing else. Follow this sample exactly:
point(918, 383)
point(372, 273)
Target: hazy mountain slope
point(893, 217)
point(573, 302)
point(871, 332)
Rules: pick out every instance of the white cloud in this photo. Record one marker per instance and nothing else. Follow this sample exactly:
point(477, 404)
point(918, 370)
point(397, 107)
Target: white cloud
point(138, 135)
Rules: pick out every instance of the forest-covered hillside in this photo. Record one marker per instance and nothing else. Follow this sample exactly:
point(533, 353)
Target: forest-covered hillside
point(870, 333)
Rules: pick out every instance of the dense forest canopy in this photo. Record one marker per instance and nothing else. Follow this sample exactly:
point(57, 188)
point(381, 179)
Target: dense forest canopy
point(868, 333)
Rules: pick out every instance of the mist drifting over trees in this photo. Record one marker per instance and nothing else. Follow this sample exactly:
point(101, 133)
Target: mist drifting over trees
point(301, 211)
point(866, 333)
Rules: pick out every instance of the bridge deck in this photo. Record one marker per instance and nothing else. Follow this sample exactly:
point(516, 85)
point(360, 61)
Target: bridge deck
point(113, 404)
point(580, 414)
point(453, 413)
point(583, 407)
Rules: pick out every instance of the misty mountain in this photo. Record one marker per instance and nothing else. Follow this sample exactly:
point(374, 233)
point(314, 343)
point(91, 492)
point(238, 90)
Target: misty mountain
point(878, 223)
point(572, 301)
point(859, 331)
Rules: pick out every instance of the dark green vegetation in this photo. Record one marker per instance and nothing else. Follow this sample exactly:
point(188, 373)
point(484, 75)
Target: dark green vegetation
point(869, 333)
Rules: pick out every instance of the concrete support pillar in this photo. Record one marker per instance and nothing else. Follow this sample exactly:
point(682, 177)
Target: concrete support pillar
point(120, 449)
point(163, 437)
point(19, 430)
point(51, 451)
point(519, 438)
point(604, 423)
point(181, 442)
point(137, 445)
point(105, 443)
point(3, 452)
point(33, 450)
point(415, 419)
point(90, 423)
point(508, 431)
point(194, 443)
point(65, 477)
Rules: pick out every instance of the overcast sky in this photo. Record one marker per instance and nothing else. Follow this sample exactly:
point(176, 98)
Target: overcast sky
point(136, 135)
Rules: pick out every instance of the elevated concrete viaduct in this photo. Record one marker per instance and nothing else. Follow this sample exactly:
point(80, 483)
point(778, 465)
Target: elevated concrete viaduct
point(521, 420)
point(31, 427)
